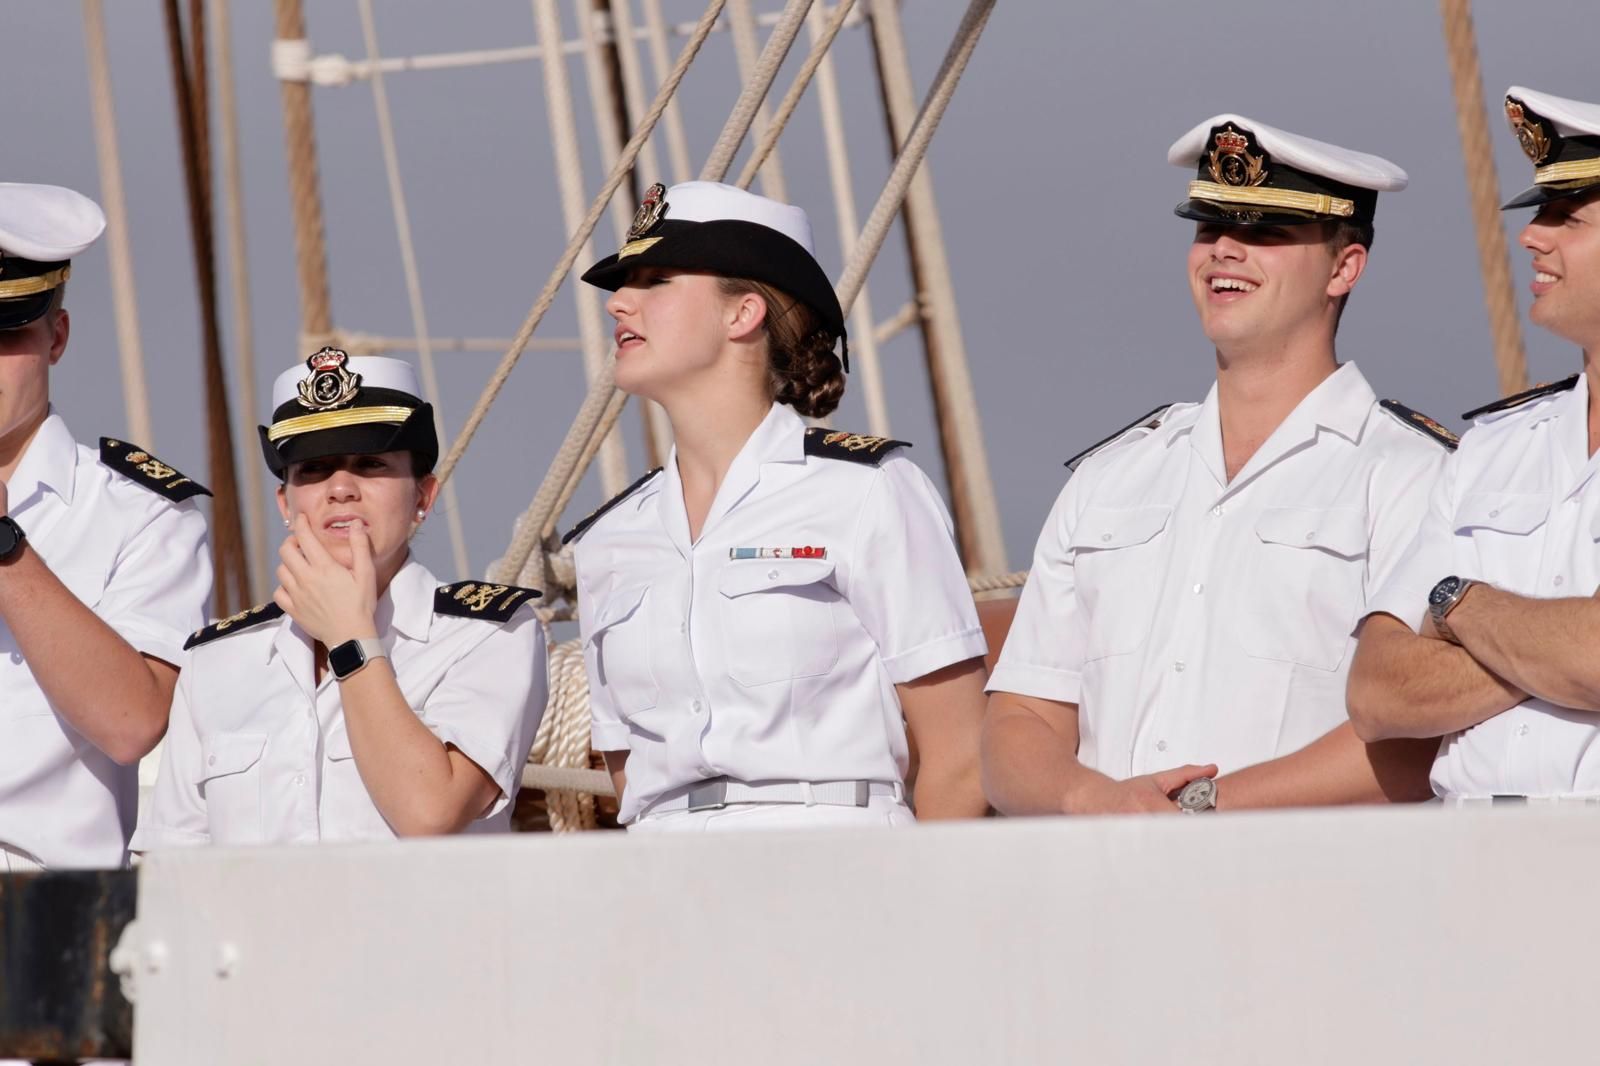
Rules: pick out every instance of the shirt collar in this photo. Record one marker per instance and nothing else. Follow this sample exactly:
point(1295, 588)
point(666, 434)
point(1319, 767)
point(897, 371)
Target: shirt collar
point(51, 462)
point(780, 438)
point(407, 605)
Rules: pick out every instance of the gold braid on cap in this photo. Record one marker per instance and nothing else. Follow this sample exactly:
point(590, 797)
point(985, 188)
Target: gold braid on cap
point(1572, 170)
point(1256, 196)
point(352, 416)
point(13, 290)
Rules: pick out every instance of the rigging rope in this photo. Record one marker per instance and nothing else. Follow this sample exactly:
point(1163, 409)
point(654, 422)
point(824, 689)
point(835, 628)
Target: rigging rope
point(767, 139)
point(593, 406)
point(742, 22)
point(1483, 192)
point(413, 277)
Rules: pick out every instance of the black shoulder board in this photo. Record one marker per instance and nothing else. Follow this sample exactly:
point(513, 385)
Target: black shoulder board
point(851, 447)
point(140, 466)
point(234, 623)
point(1149, 420)
point(594, 516)
point(482, 599)
point(1421, 423)
point(1522, 397)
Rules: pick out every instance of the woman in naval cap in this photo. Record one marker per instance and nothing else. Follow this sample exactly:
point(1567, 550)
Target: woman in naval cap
point(365, 701)
point(763, 617)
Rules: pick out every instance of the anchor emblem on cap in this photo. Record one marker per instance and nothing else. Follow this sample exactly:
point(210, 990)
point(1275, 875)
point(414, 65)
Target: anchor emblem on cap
point(651, 208)
point(1530, 135)
point(1231, 162)
point(328, 384)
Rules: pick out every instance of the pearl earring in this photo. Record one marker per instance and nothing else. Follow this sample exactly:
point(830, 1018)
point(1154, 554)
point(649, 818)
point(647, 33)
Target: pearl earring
point(286, 523)
point(421, 515)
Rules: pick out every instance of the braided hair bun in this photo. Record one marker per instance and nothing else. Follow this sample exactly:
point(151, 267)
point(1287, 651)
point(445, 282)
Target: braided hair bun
point(803, 370)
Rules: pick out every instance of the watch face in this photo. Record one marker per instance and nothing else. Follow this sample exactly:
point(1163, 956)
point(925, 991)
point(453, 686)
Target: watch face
point(1443, 591)
point(10, 537)
point(1198, 795)
point(346, 659)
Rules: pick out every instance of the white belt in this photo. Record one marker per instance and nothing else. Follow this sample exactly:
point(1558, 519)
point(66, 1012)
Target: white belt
point(1529, 801)
point(719, 792)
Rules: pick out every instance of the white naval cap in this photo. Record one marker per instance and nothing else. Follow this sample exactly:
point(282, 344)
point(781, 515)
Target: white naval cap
point(1250, 172)
point(1561, 137)
point(336, 404)
point(712, 201)
point(375, 372)
point(47, 223)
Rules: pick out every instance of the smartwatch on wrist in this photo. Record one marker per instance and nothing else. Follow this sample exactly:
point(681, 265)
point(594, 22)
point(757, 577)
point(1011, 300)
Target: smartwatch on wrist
point(1198, 796)
point(1443, 599)
point(11, 538)
point(348, 658)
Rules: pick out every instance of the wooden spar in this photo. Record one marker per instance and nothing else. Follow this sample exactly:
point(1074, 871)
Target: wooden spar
point(239, 289)
point(305, 198)
point(135, 392)
point(231, 586)
point(1483, 191)
point(972, 501)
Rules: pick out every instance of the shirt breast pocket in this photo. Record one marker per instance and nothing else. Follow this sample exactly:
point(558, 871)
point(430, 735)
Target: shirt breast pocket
point(777, 619)
point(230, 780)
point(1303, 590)
point(1118, 564)
point(1498, 519)
point(621, 638)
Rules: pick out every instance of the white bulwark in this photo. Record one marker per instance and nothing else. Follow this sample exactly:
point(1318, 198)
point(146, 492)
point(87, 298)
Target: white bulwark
point(1389, 936)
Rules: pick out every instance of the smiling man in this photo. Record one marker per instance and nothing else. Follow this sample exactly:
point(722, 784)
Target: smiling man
point(1184, 637)
point(1486, 632)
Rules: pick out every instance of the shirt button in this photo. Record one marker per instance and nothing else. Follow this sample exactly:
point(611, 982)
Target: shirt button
point(697, 706)
point(1495, 513)
point(1105, 536)
point(211, 760)
point(1216, 512)
point(1522, 730)
point(1199, 587)
point(1310, 533)
point(772, 575)
point(683, 627)
point(1161, 745)
point(299, 779)
point(1178, 666)
point(1559, 579)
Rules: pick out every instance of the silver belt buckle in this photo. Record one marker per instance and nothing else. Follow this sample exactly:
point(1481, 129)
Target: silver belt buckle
point(709, 795)
point(863, 793)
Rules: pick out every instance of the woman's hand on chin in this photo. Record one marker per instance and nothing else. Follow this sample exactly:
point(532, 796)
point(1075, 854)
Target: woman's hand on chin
point(329, 601)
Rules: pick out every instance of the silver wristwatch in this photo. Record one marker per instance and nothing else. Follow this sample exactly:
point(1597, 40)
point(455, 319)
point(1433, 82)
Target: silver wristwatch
point(1443, 599)
point(1198, 796)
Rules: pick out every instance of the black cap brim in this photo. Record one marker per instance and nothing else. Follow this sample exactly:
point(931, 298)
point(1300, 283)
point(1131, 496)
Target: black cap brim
point(1535, 195)
point(735, 249)
point(415, 435)
point(1242, 215)
point(14, 314)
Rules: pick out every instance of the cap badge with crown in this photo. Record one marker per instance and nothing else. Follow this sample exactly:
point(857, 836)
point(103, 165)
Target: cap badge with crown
point(651, 208)
point(1232, 163)
point(328, 384)
point(1530, 135)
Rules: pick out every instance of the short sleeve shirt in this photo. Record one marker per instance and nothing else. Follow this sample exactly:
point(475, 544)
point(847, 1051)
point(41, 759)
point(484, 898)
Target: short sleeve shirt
point(736, 655)
point(137, 559)
point(1518, 506)
point(1194, 619)
point(258, 751)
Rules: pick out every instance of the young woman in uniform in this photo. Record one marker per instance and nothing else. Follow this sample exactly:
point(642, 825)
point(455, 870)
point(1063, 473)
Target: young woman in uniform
point(365, 701)
point(764, 616)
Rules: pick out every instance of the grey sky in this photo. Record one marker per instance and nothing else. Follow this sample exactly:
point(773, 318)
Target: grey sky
point(1050, 171)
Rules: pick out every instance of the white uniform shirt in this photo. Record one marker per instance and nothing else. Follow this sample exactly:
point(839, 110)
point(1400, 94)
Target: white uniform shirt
point(139, 561)
point(1194, 620)
point(764, 669)
point(1518, 506)
point(257, 751)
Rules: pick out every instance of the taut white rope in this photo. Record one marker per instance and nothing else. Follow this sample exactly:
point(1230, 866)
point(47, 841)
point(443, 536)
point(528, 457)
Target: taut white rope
point(413, 276)
point(746, 54)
